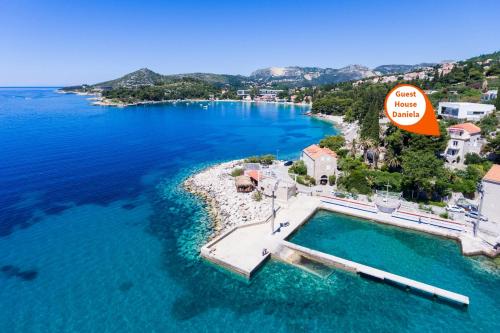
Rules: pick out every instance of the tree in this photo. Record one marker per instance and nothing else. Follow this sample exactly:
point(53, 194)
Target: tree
point(380, 179)
point(497, 103)
point(366, 144)
point(370, 127)
point(489, 123)
point(473, 158)
point(420, 171)
point(356, 182)
point(392, 160)
point(298, 168)
point(493, 147)
point(333, 142)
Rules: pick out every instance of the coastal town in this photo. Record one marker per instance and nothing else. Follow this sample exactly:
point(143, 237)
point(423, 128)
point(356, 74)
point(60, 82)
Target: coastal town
point(446, 186)
point(258, 202)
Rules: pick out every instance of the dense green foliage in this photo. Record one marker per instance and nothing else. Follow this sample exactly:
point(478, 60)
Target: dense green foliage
point(264, 159)
point(473, 158)
point(298, 168)
point(180, 89)
point(488, 124)
point(332, 179)
point(237, 172)
point(333, 142)
point(493, 147)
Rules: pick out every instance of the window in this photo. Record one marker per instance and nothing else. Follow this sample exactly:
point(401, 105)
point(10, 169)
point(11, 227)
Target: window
point(455, 143)
point(449, 111)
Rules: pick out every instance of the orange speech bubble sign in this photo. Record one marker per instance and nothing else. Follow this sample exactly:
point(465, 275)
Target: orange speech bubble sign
point(409, 108)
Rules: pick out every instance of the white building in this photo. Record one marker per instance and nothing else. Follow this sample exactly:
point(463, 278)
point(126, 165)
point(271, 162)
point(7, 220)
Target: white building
point(320, 162)
point(464, 111)
point(464, 138)
point(490, 95)
point(490, 206)
point(243, 93)
point(283, 190)
point(269, 93)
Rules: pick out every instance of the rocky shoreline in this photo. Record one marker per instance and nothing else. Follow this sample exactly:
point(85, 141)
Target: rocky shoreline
point(227, 207)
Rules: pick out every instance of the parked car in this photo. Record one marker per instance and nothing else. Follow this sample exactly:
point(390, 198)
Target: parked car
point(288, 163)
point(475, 215)
point(468, 207)
point(455, 209)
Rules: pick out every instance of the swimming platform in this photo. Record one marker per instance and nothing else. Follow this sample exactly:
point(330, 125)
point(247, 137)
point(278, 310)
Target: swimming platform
point(245, 248)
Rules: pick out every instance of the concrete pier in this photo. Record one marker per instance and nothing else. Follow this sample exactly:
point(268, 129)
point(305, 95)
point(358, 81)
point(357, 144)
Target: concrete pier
point(244, 248)
point(284, 254)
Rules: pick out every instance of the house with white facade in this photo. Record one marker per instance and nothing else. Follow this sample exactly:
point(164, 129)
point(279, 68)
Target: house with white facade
point(490, 205)
point(320, 162)
point(464, 111)
point(464, 138)
point(489, 96)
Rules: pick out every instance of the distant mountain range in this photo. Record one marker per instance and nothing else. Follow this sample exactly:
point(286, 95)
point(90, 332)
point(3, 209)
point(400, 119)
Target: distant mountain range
point(393, 69)
point(300, 76)
point(286, 76)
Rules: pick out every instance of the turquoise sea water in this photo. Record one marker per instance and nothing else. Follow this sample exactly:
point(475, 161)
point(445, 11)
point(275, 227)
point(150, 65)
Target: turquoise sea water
point(97, 236)
point(417, 256)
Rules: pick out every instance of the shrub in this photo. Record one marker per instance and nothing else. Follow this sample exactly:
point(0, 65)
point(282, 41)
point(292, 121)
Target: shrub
point(237, 172)
point(333, 142)
point(298, 168)
point(444, 215)
point(356, 181)
point(310, 179)
point(263, 159)
point(257, 196)
point(473, 158)
point(332, 179)
point(437, 203)
point(306, 180)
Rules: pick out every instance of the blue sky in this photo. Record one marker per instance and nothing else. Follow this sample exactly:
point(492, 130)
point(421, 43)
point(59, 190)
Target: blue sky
point(73, 42)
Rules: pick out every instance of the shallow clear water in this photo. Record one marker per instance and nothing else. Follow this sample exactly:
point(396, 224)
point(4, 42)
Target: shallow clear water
point(96, 234)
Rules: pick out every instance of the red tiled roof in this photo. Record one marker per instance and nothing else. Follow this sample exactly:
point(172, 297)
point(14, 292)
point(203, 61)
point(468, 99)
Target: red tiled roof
point(468, 127)
point(494, 174)
point(255, 174)
point(315, 151)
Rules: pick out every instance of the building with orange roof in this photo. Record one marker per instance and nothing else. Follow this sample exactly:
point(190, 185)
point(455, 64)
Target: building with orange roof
point(464, 138)
point(490, 205)
point(255, 175)
point(320, 162)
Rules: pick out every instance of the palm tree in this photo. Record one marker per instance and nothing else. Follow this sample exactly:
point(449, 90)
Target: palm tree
point(366, 144)
point(392, 160)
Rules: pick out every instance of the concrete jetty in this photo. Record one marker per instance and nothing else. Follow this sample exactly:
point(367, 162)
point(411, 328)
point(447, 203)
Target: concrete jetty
point(286, 255)
point(244, 248)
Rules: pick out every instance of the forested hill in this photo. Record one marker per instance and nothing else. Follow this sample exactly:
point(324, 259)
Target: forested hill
point(294, 76)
